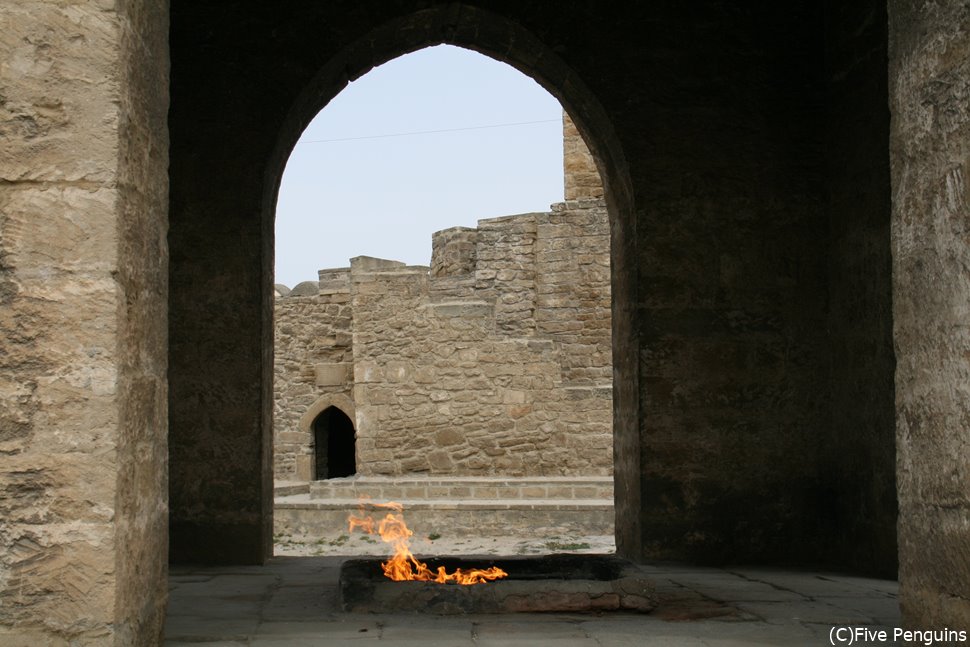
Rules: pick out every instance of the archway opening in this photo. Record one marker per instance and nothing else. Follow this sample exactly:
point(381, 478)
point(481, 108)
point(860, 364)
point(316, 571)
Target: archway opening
point(221, 386)
point(335, 455)
point(479, 368)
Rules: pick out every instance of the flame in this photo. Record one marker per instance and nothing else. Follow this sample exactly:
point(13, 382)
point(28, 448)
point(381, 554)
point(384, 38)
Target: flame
point(403, 565)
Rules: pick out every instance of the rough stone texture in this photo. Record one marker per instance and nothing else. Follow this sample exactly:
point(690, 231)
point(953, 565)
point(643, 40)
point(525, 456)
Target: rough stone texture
point(581, 177)
point(930, 102)
point(310, 331)
point(83, 193)
point(765, 360)
point(453, 252)
point(504, 370)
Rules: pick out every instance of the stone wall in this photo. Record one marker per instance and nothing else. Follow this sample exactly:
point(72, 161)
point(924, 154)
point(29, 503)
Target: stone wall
point(581, 177)
point(929, 93)
point(857, 504)
point(496, 361)
point(313, 365)
point(83, 288)
point(732, 286)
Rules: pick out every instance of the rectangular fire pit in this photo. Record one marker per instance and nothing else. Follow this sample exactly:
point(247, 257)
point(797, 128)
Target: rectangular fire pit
point(575, 583)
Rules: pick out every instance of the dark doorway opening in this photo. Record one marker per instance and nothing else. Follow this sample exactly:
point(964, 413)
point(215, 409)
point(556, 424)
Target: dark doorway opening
point(333, 440)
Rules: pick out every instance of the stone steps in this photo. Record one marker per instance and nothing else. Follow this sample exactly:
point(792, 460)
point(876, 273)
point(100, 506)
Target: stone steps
point(464, 488)
point(290, 488)
point(458, 506)
point(304, 502)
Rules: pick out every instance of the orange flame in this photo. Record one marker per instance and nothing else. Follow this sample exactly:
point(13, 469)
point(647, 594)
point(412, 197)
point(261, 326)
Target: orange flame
point(403, 565)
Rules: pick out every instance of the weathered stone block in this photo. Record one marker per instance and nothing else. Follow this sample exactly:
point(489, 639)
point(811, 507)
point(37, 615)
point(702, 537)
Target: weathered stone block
point(333, 374)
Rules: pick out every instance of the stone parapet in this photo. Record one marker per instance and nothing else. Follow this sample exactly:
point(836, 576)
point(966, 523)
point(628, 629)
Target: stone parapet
point(334, 281)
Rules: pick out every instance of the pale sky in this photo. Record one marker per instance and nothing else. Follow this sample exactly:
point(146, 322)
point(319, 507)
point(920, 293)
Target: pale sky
point(381, 193)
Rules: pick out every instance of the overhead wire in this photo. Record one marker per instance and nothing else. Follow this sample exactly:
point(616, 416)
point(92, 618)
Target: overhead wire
point(427, 132)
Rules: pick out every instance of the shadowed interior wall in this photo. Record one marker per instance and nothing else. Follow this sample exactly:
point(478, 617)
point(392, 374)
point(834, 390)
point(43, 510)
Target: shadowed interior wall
point(732, 248)
point(856, 504)
point(712, 139)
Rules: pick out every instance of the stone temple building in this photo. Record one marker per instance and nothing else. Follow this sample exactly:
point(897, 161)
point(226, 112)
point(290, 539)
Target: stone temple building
point(787, 193)
point(490, 368)
point(496, 359)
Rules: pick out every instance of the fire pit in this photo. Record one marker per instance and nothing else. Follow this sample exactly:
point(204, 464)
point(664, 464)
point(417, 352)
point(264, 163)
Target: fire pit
point(573, 583)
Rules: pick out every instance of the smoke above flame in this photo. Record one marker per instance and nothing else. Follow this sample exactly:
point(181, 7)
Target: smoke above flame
point(403, 565)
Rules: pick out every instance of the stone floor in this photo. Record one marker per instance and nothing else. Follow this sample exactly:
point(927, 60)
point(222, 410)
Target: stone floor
point(292, 601)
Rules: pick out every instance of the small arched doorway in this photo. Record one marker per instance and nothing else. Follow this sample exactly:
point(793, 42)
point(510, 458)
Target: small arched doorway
point(333, 445)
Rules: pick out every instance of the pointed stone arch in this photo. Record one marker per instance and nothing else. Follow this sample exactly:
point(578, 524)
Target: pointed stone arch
point(330, 424)
point(324, 402)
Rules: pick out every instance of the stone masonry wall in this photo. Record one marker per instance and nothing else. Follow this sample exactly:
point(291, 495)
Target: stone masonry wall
point(929, 91)
point(83, 257)
point(582, 178)
point(314, 355)
point(497, 361)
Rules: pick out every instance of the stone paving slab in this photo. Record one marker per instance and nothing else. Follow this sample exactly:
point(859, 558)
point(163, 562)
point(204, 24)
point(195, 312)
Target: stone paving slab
point(829, 585)
point(292, 602)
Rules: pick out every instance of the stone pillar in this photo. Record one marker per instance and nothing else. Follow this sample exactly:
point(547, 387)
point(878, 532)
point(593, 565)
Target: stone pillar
point(582, 178)
point(83, 288)
point(929, 76)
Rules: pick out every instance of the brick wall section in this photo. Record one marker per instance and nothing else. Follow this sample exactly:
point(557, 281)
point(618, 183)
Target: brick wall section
point(496, 362)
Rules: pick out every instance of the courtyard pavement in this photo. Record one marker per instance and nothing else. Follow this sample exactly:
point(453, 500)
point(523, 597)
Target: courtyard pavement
point(292, 601)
